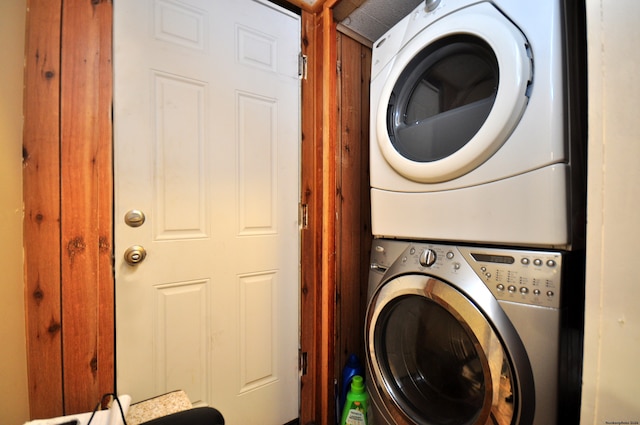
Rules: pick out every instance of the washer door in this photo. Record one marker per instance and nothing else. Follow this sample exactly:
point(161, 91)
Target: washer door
point(434, 358)
point(454, 95)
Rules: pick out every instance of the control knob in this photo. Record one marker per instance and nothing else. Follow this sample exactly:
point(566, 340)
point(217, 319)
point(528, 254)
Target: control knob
point(427, 257)
point(430, 5)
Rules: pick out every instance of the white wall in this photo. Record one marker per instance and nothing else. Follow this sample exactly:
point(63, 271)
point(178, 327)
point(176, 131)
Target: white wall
point(611, 380)
point(14, 404)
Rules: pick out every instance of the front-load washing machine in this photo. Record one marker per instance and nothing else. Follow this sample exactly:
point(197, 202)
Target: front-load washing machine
point(463, 335)
point(469, 134)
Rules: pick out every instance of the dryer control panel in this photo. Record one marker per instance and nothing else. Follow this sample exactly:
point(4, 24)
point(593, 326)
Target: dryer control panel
point(530, 277)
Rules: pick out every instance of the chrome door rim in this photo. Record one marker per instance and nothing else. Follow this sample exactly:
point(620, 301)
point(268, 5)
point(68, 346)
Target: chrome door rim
point(488, 345)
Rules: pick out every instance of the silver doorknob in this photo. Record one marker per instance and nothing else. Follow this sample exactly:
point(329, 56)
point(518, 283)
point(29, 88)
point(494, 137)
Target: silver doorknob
point(135, 254)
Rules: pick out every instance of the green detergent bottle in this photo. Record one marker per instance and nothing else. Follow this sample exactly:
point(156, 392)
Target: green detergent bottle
point(355, 408)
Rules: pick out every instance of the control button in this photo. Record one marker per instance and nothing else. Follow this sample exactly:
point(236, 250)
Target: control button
point(500, 287)
point(550, 294)
point(512, 288)
point(412, 251)
point(427, 258)
point(404, 259)
point(536, 292)
point(537, 262)
point(456, 266)
point(551, 263)
point(450, 255)
point(524, 290)
point(484, 269)
point(379, 248)
point(488, 275)
point(525, 261)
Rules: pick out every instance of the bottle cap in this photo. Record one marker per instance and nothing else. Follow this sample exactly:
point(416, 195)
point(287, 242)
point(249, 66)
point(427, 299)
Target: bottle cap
point(357, 384)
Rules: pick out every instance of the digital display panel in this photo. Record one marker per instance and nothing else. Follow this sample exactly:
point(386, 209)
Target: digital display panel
point(490, 258)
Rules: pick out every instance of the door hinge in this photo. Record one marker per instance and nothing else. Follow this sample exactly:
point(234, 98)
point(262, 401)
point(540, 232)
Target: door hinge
point(303, 363)
point(302, 66)
point(303, 218)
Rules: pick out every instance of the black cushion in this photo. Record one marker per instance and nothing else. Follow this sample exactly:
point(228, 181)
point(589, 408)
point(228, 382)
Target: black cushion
point(195, 416)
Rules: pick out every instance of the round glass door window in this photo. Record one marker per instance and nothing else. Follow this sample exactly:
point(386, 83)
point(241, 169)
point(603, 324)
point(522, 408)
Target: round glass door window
point(442, 98)
point(433, 368)
point(453, 95)
point(436, 358)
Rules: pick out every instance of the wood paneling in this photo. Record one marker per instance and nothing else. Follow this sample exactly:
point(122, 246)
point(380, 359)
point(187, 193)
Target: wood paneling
point(41, 188)
point(86, 187)
point(68, 205)
point(338, 82)
point(352, 198)
point(335, 188)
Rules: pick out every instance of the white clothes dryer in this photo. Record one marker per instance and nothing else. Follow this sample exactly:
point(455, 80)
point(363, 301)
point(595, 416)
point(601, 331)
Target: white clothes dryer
point(468, 133)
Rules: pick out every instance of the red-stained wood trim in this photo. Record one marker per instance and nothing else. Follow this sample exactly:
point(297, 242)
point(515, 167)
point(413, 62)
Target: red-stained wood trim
point(328, 293)
point(311, 234)
point(310, 6)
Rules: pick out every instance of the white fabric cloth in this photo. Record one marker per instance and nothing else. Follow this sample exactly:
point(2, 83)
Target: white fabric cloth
point(102, 417)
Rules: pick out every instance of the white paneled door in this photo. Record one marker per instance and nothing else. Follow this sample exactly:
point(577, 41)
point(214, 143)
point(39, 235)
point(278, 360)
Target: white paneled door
point(206, 118)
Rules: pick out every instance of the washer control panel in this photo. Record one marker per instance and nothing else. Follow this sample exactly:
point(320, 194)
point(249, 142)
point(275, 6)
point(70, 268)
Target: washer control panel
point(530, 277)
point(515, 275)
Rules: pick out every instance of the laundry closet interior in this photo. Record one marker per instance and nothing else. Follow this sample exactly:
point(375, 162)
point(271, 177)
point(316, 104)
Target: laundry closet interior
point(477, 155)
point(336, 208)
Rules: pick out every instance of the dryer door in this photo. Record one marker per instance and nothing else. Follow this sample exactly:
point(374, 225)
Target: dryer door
point(454, 95)
point(435, 358)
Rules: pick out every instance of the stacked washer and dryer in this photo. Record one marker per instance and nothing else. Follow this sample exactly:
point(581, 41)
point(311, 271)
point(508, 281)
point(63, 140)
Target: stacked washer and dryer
point(475, 185)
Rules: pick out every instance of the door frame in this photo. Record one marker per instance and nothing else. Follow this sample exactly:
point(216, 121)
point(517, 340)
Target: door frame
point(68, 201)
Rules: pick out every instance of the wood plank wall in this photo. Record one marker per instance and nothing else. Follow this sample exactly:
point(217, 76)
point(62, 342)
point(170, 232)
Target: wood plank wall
point(353, 205)
point(41, 188)
point(87, 203)
point(68, 205)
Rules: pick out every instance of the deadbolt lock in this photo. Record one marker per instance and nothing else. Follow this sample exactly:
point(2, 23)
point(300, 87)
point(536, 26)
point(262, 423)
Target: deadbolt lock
point(134, 218)
point(135, 254)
